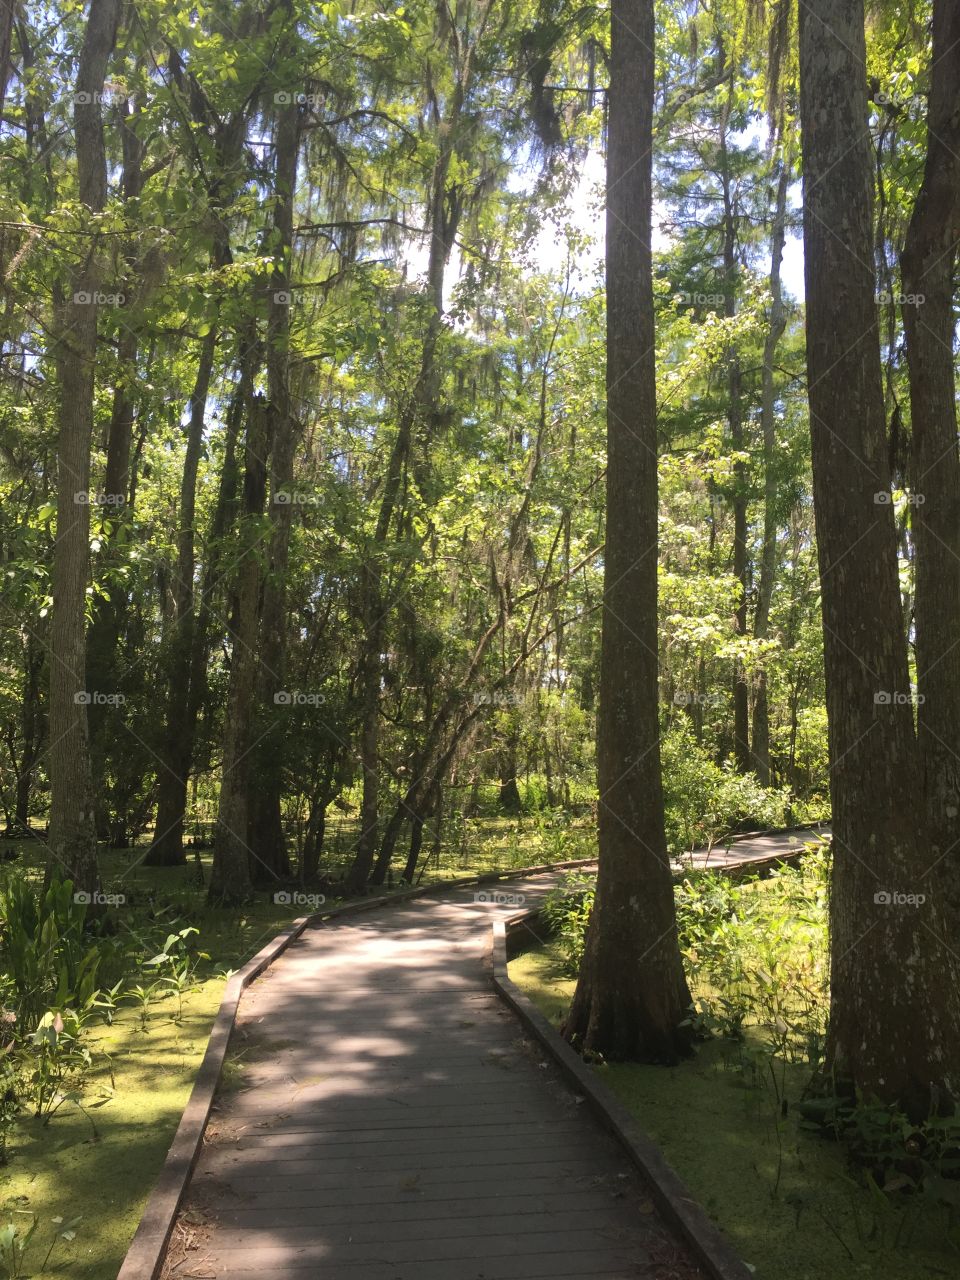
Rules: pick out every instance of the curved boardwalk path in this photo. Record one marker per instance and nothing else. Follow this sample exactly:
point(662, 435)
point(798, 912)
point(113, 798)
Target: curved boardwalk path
point(392, 1123)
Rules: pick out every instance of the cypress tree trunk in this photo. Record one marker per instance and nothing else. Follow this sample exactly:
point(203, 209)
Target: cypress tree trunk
point(928, 267)
point(631, 993)
point(166, 849)
point(230, 882)
point(894, 1029)
point(31, 729)
point(266, 828)
point(760, 748)
point(741, 693)
point(72, 848)
point(103, 640)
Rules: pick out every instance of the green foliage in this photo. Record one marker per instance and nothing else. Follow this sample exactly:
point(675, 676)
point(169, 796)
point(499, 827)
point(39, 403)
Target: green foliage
point(43, 949)
point(704, 801)
point(756, 952)
point(59, 1062)
point(567, 911)
point(176, 966)
point(560, 839)
point(15, 1239)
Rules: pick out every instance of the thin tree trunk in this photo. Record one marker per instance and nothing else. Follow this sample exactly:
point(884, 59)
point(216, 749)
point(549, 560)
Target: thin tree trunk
point(442, 223)
point(183, 696)
point(894, 1030)
point(768, 554)
point(166, 849)
point(230, 882)
point(103, 640)
point(72, 845)
point(741, 698)
point(509, 799)
point(416, 845)
point(928, 267)
point(631, 994)
point(266, 826)
point(224, 518)
point(317, 820)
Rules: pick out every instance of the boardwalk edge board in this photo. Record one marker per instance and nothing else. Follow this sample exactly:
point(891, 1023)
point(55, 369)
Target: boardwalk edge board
point(668, 1191)
point(145, 1257)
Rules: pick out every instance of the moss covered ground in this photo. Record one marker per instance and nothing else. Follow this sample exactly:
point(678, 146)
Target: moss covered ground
point(786, 1197)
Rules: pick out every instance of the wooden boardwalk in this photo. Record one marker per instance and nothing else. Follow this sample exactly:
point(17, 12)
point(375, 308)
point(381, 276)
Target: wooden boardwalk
point(743, 851)
point(390, 1122)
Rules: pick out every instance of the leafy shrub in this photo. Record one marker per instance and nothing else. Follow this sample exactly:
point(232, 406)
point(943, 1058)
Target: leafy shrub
point(10, 1090)
point(559, 840)
point(704, 801)
point(59, 1061)
point(567, 912)
point(758, 952)
point(890, 1153)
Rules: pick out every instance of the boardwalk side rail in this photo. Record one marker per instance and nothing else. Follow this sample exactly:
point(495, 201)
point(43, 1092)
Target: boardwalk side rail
point(668, 1191)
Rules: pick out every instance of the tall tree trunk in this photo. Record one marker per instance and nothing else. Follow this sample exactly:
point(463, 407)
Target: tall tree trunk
point(731, 275)
point(224, 517)
point(106, 630)
point(631, 994)
point(166, 849)
point(177, 746)
point(266, 827)
point(928, 268)
point(768, 554)
point(230, 882)
point(72, 845)
point(317, 820)
point(416, 835)
point(894, 1030)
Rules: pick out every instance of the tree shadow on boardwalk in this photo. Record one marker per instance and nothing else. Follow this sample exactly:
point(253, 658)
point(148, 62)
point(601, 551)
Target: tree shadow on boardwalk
point(390, 1122)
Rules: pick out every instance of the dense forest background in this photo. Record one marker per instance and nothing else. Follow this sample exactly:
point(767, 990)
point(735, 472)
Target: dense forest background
point(318, 290)
point(452, 436)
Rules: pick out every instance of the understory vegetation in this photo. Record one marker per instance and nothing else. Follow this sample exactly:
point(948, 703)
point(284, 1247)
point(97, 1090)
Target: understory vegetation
point(805, 1184)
